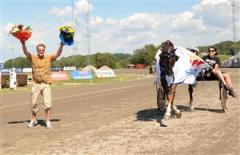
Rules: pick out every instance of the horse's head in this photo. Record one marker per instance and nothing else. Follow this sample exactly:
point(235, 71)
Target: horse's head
point(168, 57)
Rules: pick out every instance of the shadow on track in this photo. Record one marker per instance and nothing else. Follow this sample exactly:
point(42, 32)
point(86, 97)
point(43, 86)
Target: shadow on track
point(157, 115)
point(40, 121)
point(151, 115)
point(186, 108)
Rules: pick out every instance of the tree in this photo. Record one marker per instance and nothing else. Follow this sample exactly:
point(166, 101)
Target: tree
point(101, 59)
point(144, 55)
point(121, 60)
point(74, 60)
point(20, 62)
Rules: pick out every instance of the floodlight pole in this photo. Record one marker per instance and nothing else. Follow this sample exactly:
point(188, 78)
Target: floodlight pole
point(234, 24)
point(73, 13)
point(74, 21)
point(88, 34)
point(2, 32)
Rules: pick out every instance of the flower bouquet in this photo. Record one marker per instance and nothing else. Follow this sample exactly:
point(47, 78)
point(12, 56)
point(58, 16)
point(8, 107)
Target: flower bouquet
point(66, 35)
point(21, 32)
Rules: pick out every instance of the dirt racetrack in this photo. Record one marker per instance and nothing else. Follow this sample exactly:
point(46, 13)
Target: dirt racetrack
point(122, 118)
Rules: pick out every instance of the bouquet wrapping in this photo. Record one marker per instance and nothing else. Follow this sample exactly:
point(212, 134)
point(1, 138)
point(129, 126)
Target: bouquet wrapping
point(21, 32)
point(66, 35)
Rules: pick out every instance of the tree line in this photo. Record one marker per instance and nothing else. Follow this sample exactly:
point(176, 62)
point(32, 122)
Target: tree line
point(224, 48)
point(144, 55)
point(117, 60)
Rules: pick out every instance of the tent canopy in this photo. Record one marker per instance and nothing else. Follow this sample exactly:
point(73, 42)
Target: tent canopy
point(89, 67)
point(105, 68)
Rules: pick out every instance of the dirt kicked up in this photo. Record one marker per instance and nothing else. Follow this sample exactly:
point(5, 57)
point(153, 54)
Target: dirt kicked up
point(121, 118)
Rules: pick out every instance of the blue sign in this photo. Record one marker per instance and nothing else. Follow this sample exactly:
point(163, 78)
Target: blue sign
point(5, 70)
point(76, 75)
point(1, 65)
point(8, 70)
point(18, 70)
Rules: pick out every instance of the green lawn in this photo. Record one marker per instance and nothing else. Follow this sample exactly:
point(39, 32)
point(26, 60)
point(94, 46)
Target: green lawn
point(73, 83)
point(224, 57)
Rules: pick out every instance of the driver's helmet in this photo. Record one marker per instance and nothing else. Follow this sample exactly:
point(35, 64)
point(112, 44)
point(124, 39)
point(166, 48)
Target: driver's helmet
point(195, 50)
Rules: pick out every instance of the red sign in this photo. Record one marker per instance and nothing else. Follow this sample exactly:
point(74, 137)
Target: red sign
point(59, 76)
point(140, 66)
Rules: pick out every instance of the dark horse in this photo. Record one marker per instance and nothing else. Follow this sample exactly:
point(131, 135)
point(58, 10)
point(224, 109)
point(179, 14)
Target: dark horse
point(167, 61)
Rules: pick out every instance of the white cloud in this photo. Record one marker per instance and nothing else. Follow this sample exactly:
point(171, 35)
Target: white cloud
point(8, 27)
point(213, 2)
point(186, 22)
point(214, 13)
point(95, 21)
point(206, 22)
point(83, 6)
point(138, 38)
point(4, 36)
point(61, 12)
point(110, 21)
point(41, 34)
point(80, 6)
point(189, 28)
point(141, 21)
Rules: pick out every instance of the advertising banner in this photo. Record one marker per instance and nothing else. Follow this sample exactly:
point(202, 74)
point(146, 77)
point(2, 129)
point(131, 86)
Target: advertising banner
point(0, 80)
point(8, 70)
point(105, 73)
point(59, 76)
point(69, 68)
point(76, 75)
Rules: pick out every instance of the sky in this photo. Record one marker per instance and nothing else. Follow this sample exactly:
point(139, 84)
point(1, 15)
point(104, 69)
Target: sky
point(116, 25)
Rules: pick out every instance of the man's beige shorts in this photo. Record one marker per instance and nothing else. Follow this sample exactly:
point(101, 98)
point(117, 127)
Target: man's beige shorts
point(44, 90)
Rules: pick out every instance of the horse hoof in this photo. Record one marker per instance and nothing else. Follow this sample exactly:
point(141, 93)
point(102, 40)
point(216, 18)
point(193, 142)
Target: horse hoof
point(179, 114)
point(225, 110)
point(191, 108)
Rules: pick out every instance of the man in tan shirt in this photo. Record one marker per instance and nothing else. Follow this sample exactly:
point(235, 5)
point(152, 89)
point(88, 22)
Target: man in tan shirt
point(41, 65)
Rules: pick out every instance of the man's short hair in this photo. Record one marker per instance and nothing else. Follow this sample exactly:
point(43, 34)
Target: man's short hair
point(38, 45)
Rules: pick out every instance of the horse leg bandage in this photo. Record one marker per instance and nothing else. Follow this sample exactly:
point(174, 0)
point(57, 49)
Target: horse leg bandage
point(168, 112)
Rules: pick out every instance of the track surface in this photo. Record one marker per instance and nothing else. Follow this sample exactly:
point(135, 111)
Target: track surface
point(122, 118)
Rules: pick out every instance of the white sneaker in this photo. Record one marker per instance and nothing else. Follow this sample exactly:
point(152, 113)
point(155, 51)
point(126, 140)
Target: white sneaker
point(32, 123)
point(48, 125)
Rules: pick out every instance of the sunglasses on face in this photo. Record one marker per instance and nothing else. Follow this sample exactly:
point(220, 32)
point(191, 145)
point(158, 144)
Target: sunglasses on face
point(211, 51)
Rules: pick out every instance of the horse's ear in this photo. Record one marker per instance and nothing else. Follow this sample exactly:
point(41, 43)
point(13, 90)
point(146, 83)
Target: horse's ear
point(175, 49)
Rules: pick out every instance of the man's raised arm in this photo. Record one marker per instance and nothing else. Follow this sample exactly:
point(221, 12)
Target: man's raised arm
point(59, 52)
point(25, 51)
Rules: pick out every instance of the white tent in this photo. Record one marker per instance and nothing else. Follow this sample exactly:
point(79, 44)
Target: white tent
point(104, 68)
point(90, 67)
point(105, 72)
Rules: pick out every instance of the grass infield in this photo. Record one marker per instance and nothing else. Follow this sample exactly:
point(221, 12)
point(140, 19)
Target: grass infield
point(74, 83)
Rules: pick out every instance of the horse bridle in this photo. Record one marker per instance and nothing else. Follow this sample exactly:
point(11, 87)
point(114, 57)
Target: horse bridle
point(168, 59)
point(166, 55)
